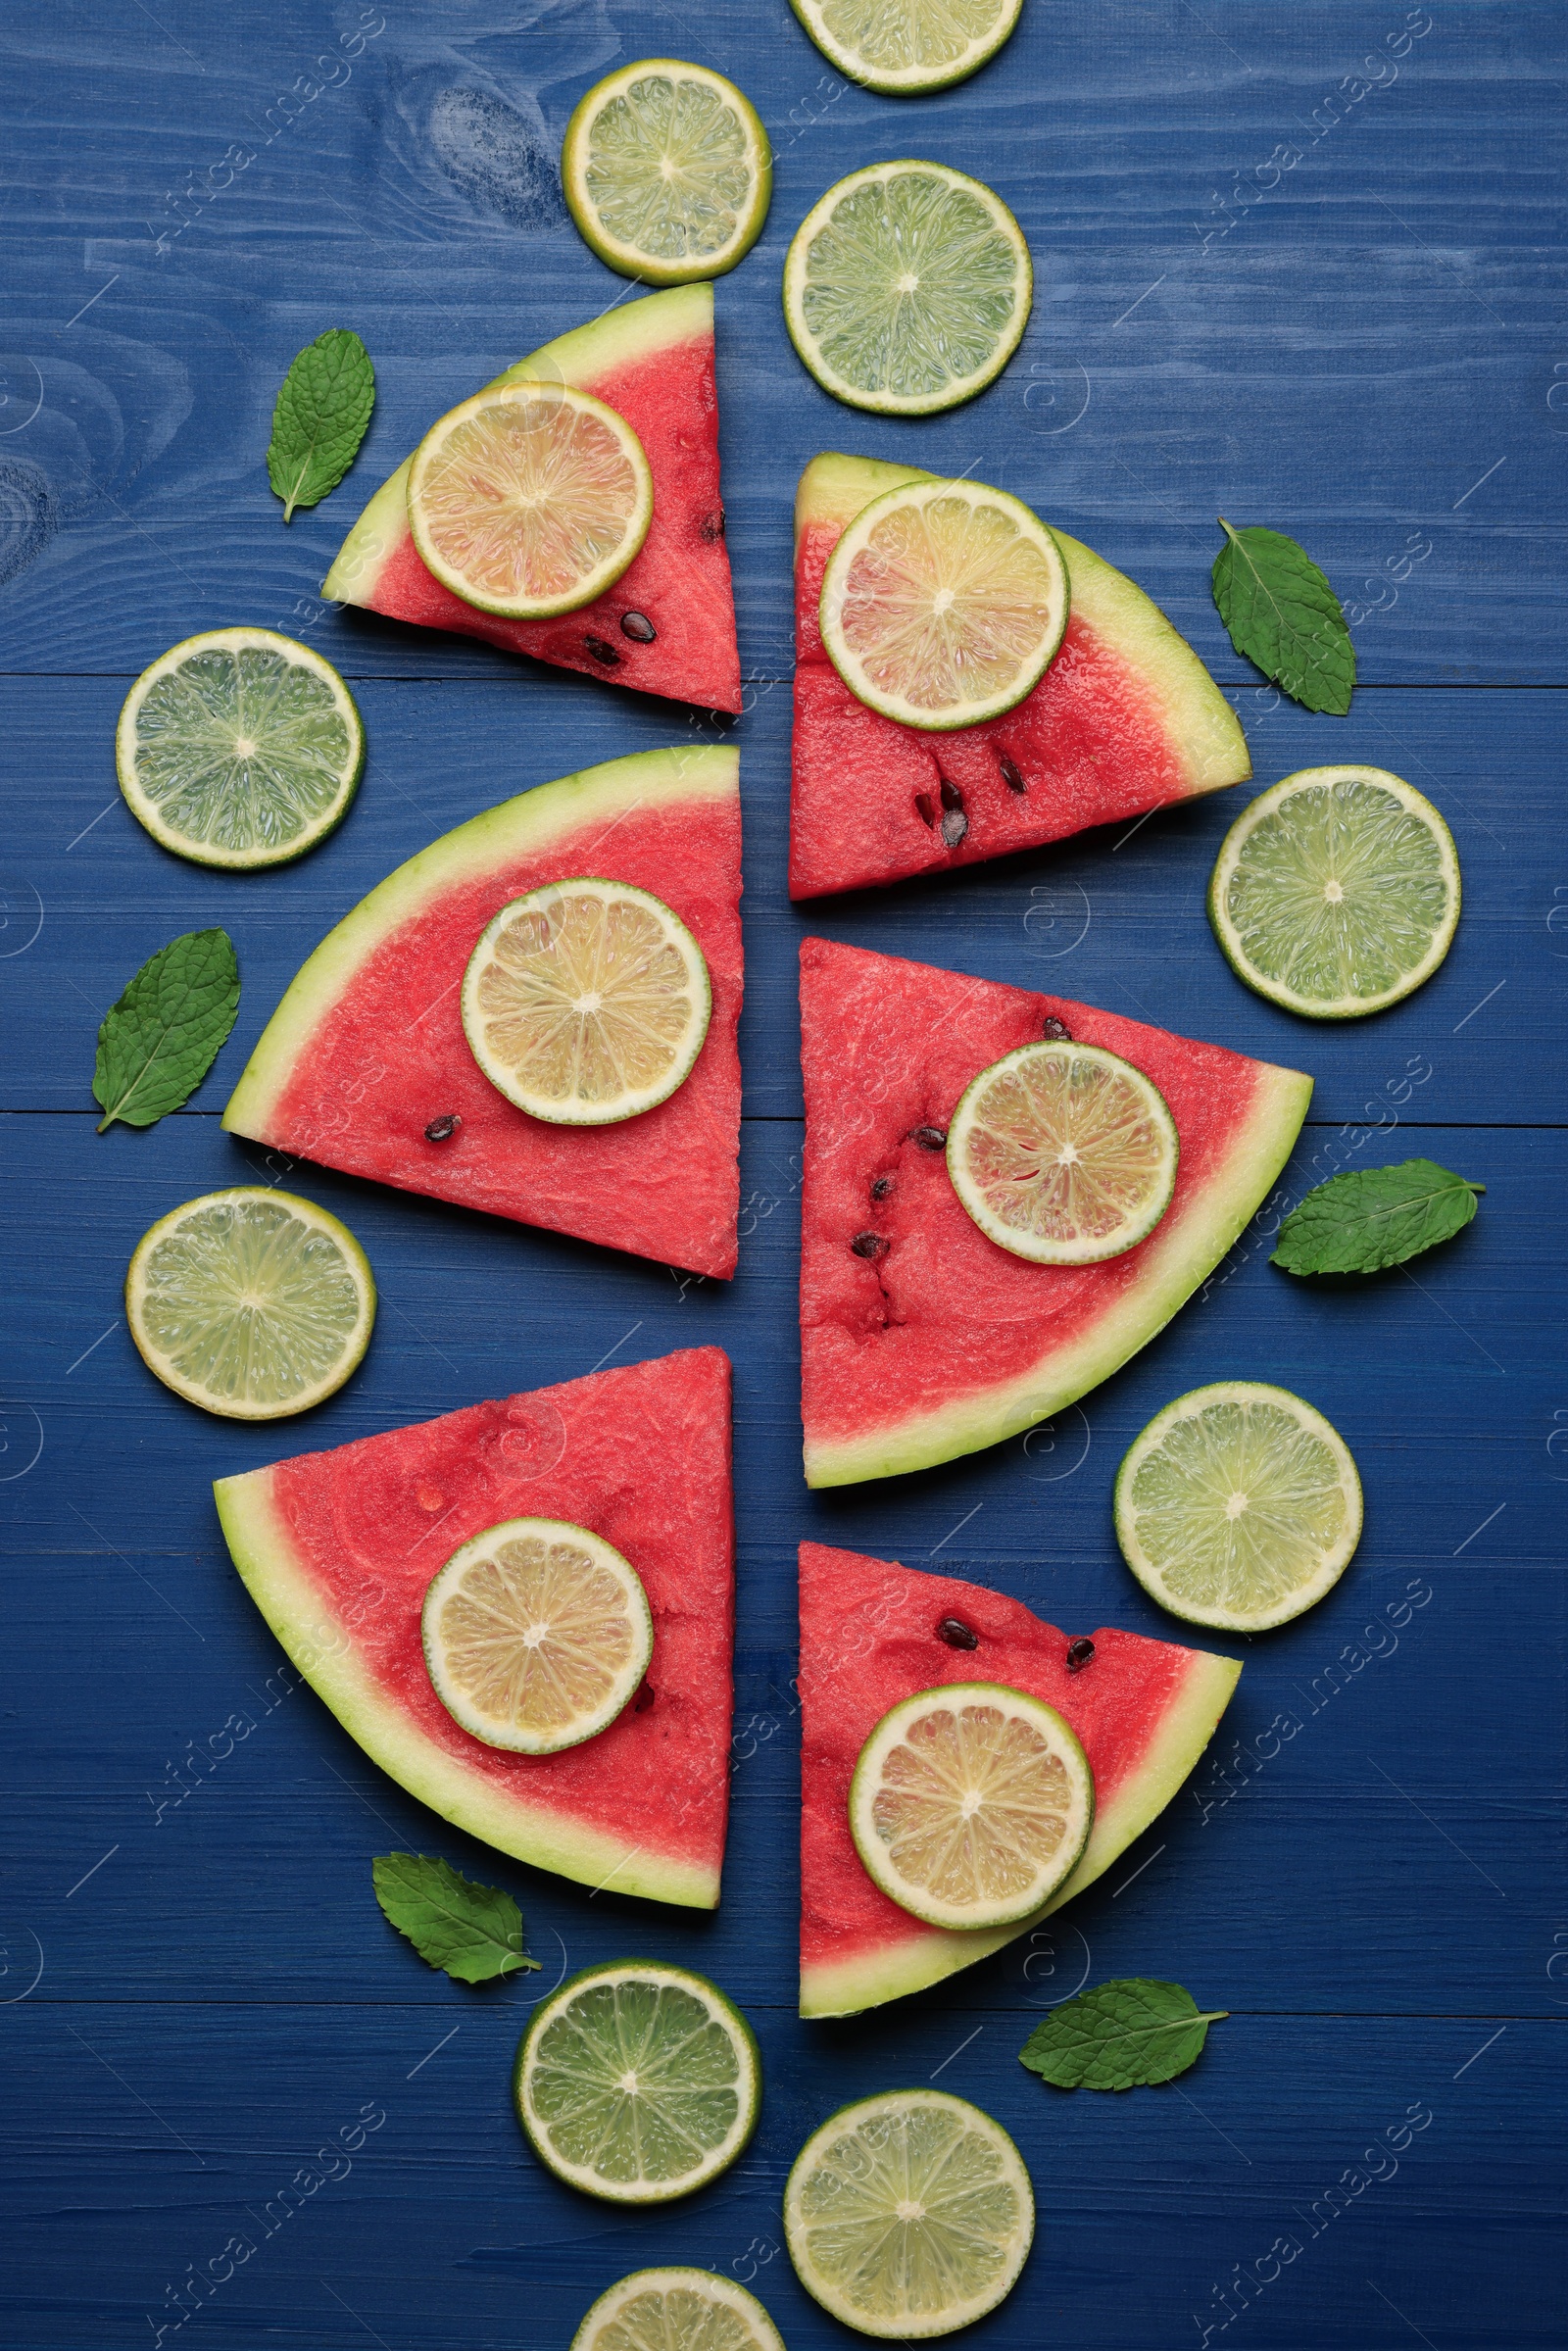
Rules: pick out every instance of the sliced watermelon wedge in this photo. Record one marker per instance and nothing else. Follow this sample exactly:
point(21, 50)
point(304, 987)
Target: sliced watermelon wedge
point(1125, 720)
point(1143, 1710)
point(652, 362)
point(338, 1549)
point(941, 1343)
point(367, 1050)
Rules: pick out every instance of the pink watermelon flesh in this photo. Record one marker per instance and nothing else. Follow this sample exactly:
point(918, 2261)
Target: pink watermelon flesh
point(941, 1342)
point(1143, 1710)
point(338, 1549)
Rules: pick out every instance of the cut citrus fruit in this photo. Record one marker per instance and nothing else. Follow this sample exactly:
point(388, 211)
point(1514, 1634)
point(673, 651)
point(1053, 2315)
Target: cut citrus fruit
point(586, 1001)
point(903, 47)
point(1336, 892)
point(909, 2215)
point(667, 171)
point(677, 2310)
point(250, 1302)
point(1239, 1506)
point(529, 499)
point(908, 289)
point(536, 1635)
point(239, 748)
point(1064, 1153)
point(943, 602)
point(972, 1804)
point(638, 2081)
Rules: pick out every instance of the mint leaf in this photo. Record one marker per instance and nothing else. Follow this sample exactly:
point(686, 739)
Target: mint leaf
point(475, 1932)
point(1118, 2035)
point(320, 419)
point(1283, 615)
point(1375, 1217)
point(159, 1040)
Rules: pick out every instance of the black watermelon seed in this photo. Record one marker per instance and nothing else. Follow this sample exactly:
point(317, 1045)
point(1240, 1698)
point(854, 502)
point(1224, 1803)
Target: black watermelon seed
point(1080, 1652)
point(603, 651)
point(955, 825)
point(951, 796)
point(956, 1633)
point(712, 526)
point(1056, 1030)
point(868, 1245)
point(930, 1138)
point(638, 627)
point(1010, 775)
point(925, 807)
point(645, 1698)
point(881, 1188)
point(442, 1130)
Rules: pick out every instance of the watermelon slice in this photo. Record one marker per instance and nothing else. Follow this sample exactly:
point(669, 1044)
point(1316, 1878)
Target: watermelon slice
point(367, 1050)
point(1125, 720)
point(1143, 1710)
point(652, 362)
point(941, 1342)
point(338, 1549)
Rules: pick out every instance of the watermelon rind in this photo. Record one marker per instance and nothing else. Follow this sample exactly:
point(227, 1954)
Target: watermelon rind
point(527, 824)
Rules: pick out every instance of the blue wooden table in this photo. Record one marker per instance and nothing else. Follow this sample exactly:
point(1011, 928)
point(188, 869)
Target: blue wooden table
point(1363, 345)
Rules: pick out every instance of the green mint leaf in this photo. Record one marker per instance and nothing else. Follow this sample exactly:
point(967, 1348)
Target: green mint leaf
point(158, 1043)
point(320, 419)
point(1283, 615)
point(1375, 1217)
point(1118, 2035)
point(475, 1932)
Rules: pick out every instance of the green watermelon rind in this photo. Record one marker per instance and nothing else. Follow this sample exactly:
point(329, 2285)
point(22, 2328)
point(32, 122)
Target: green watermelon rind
point(846, 1986)
point(322, 1645)
point(525, 825)
point(580, 358)
point(1178, 1256)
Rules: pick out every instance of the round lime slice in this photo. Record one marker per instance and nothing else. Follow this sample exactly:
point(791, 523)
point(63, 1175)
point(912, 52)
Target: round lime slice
point(1064, 1153)
point(972, 1804)
point(908, 289)
point(252, 1303)
point(1239, 1506)
point(677, 2310)
point(909, 2215)
point(1336, 892)
point(667, 171)
point(903, 47)
point(638, 2081)
point(531, 499)
point(239, 748)
point(586, 1001)
point(536, 1635)
point(943, 602)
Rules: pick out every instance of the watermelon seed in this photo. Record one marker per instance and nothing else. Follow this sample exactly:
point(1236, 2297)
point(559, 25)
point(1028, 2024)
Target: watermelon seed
point(1080, 1652)
point(925, 807)
point(1010, 775)
point(951, 796)
point(956, 1633)
point(955, 825)
point(881, 1188)
point(1056, 1030)
point(930, 1138)
point(712, 526)
point(868, 1245)
point(638, 627)
point(603, 651)
point(442, 1130)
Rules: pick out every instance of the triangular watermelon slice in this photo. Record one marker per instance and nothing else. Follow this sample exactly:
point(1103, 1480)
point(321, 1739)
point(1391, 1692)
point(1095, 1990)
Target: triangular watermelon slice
point(941, 1342)
point(653, 362)
point(1125, 720)
point(338, 1549)
point(367, 1050)
point(1143, 1710)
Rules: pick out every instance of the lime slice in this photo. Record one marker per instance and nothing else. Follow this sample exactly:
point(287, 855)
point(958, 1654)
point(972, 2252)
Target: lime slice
point(1336, 892)
point(901, 47)
point(677, 2310)
point(909, 2213)
point(536, 1635)
point(943, 602)
point(970, 1804)
point(1239, 1506)
point(252, 1303)
point(1064, 1153)
point(906, 288)
point(667, 171)
point(586, 1001)
point(638, 2082)
point(239, 748)
point(529, 499)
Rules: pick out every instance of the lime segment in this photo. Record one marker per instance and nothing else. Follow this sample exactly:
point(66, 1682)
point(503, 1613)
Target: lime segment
point(1239, 1506)
point(667, 171)
point(677, 2310)
point(239, 748)
point(638, 2082)
point(1337, 893)
point(250, 1302)
point(901, 47)
point(909, 2215)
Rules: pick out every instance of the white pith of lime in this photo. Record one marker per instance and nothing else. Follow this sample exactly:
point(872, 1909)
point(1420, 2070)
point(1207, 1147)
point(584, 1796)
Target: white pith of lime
point(667, 171)
point(1238, 1506)
point(902, 48)
point(638, 2081)
point(239, 749)
point(677, 2310)
point(586, 1001)
point(250, 1302)
point(529, 499)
